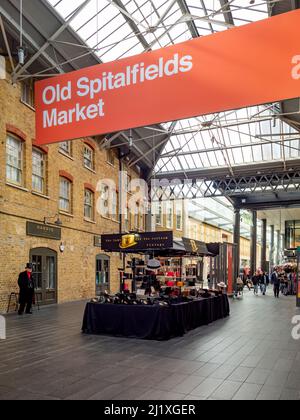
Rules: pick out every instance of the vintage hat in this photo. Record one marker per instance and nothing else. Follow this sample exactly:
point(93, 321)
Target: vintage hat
point(128, 241)
point(222, 284)
point(29, 266)
point(154, 264)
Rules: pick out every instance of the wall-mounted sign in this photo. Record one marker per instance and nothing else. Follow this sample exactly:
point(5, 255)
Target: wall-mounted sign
point(249, 65)
point(43, 231)
point(97, 241)
point(137, 242)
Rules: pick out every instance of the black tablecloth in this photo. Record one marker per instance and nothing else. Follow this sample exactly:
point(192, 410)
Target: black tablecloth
point(153, 322)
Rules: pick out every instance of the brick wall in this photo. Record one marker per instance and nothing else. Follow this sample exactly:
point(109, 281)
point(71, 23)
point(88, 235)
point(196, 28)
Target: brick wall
point(76, 265)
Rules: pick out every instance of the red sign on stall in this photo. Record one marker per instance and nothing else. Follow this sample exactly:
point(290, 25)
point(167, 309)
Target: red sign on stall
point(254, 64)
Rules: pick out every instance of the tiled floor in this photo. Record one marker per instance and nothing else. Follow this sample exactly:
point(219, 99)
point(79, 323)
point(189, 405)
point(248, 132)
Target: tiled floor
point(249, 356)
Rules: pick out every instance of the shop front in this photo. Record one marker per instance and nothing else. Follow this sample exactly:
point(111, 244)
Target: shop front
point(45, 263)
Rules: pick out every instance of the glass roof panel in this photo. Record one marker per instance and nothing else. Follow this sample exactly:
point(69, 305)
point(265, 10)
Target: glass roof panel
point(243, 12)
point(219, 212)
point(120, 28)
point(257, 130)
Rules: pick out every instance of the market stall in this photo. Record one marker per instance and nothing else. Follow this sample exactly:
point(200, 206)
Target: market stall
point(161, 290)
point(153, 322)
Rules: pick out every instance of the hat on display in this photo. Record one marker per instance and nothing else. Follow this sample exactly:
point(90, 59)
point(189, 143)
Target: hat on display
point(222, 284)
point(154, 264)
point(29, 266)
point(128, 241)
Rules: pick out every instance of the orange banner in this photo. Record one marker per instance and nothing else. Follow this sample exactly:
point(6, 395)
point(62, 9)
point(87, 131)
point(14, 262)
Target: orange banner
point(244, 66)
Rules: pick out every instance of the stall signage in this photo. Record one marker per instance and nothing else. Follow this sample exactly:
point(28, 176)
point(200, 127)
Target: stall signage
point(254, 64)
point(194, 247)
point(137, 242)
point(43, 231)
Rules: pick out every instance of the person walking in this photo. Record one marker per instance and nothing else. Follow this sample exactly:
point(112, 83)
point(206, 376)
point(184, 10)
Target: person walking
point(275, 280)
point(249, 284)
point(26, 285)
point(263, 283)
point(239, 287)
point(255, 282)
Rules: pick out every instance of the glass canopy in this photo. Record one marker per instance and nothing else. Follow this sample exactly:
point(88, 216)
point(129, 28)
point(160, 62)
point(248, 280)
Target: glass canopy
point(114, 29)
point(219, 212)
point(120, 28)
point(250, 135)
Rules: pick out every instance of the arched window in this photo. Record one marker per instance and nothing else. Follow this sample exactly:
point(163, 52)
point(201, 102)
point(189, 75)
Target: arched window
point(66, 147)
point(38, 171)
point(65, 195)
point(89, 201)
point(178, 207)
point(14, 160)
point(88, 157)
point(169, 214)
point(159, 214)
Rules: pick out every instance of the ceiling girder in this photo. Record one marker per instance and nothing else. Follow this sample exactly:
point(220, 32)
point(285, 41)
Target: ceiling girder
point(191, 24)
point(268, 185)
point(56, 34)
point(132, 25)
point(227, 12)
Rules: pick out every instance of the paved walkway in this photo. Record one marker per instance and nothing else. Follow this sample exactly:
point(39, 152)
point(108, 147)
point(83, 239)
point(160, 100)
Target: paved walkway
point(251, 355)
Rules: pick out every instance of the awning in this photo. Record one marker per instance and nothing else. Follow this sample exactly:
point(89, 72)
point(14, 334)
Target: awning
point(154, 243)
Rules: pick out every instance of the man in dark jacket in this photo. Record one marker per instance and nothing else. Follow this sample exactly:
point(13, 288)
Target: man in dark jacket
point(275, 280)
point(26, 285)
point(263, 282)
point(256, 281)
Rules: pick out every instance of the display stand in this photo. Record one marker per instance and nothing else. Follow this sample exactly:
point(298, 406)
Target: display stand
point(176, 272)
point(181, 260)
point(183, 270)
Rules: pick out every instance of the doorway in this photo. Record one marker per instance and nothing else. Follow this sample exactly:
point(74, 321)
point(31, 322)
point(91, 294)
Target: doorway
point(102, 274)
point(44, 262)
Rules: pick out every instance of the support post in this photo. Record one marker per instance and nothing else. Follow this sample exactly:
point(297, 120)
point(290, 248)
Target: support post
point(272, 245)
point(264, 245)
point(253, 243)
point(237, 240)
point(278, 247)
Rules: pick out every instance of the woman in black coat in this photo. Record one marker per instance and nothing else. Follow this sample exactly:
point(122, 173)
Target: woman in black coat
point(26, 285)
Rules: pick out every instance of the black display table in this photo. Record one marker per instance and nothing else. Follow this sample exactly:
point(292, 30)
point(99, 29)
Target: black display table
point(153, 322)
